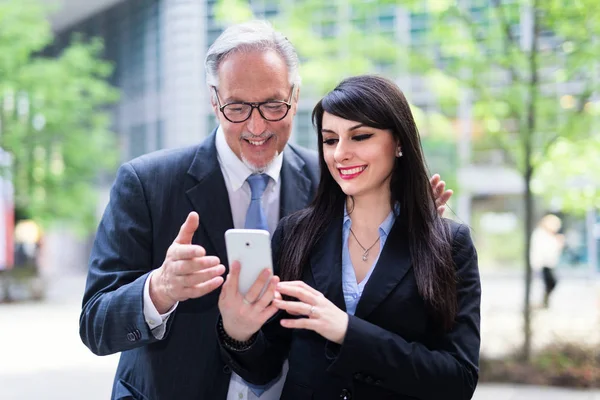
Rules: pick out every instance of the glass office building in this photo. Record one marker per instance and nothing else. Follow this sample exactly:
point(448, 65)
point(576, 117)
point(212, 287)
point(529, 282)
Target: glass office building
point(158, 49)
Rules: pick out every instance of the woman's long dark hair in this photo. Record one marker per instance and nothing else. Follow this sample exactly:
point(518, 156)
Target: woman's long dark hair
point(377, 102)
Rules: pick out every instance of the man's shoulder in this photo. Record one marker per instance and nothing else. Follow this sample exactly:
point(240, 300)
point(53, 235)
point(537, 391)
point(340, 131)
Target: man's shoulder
point(165, 160)
point(308, 164)
point(310, 157)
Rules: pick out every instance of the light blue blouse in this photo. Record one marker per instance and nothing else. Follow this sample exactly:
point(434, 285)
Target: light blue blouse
point(352, 289)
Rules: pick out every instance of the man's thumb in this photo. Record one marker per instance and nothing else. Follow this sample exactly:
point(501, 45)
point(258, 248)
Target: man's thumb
point(186, 232)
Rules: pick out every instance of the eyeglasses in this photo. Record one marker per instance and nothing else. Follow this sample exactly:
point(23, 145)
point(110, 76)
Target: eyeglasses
point(240, 111)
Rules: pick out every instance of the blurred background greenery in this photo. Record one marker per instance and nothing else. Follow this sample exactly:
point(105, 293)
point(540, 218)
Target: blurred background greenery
point(51, 118)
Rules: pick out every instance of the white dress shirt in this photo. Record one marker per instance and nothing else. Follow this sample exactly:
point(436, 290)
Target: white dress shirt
point(235, 173)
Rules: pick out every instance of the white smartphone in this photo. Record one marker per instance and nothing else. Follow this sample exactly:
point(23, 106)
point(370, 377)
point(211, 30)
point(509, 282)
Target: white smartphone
point(252, 248)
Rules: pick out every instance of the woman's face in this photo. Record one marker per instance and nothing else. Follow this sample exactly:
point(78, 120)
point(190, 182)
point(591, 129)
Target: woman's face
point(359, 158)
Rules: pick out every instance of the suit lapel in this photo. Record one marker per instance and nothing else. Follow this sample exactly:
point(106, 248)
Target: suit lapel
point(392, 266)
point(209, 196)
point(295, 186)
point(326, 264)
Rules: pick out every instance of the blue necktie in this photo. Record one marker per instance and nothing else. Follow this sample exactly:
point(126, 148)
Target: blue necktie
point(255, 217)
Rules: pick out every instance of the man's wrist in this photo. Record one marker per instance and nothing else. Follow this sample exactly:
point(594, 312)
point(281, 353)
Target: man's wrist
point(161, 303)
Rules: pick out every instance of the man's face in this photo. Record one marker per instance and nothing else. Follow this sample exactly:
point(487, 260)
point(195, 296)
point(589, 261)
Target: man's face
point(255, 77)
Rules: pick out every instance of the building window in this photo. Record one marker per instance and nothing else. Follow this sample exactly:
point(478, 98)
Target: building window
point(213, 27)
point(211, 122)
point(137, 141)
point(387, 21)
point(160, 135)
point(137, 53)
point(157, 11)
point(304, 133)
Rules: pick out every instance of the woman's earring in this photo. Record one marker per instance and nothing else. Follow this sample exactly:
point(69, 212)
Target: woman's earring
point(399, 153)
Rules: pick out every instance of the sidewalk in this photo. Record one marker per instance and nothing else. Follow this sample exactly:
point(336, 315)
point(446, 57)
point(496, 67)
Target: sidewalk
point(62, 368)
point(517, 392)
point(573, 316)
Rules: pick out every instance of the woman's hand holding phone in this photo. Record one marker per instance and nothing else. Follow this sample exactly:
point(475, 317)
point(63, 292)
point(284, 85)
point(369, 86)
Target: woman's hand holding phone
point(244, 315)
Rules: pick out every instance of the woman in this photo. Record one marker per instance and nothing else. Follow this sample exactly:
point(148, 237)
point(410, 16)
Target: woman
point(380, 295)
point(546, 248)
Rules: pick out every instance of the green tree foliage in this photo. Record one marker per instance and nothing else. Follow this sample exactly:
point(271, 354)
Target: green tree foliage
point(53, 118)
point(532, 69)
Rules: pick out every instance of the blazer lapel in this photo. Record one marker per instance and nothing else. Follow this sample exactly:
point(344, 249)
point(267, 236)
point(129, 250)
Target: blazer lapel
point(209, 196)
point(392, 266)
point(326, 264)
point(295, 186)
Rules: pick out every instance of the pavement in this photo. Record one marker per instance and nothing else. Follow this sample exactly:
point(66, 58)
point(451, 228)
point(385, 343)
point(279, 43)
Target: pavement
point(573, 315)
point(42, 357)
point(515, 392)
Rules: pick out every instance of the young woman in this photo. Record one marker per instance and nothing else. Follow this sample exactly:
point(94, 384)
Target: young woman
point(381, 296)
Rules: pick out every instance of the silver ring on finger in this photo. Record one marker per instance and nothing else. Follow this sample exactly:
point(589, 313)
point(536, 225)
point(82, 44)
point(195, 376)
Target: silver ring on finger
point(246, 301)
point(311, 311)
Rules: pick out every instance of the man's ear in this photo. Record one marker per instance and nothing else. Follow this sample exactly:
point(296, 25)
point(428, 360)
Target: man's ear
point(295, 97)
point(213, 102)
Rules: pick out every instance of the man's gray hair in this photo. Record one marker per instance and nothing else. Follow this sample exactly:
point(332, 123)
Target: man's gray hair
point(248, 36)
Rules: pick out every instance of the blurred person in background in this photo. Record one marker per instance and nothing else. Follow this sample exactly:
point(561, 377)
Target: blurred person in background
point(28, 242)
point(27, 271)
point(545, 251)
point(153, 284)
point(382, 294)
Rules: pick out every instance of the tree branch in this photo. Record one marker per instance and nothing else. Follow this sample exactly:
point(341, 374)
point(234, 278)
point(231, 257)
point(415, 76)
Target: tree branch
point(504, 146)
point(475, 83)
point(509, 38)
point(533, 83)
point(549, 144)
point(583, 99)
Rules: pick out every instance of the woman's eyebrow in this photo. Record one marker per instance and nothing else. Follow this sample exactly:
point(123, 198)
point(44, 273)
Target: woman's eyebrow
point(356, 127)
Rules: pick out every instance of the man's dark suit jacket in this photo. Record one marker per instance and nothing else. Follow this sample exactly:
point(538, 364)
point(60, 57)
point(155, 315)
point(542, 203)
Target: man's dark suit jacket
point(391, 349)
point(149, 201)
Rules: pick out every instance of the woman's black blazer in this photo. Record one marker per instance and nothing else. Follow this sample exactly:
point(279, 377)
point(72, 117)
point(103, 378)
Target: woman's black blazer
point(392, 349)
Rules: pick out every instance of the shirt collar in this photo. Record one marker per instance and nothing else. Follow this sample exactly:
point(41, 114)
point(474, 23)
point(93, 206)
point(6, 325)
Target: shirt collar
point(386, 225)
point(235, 170)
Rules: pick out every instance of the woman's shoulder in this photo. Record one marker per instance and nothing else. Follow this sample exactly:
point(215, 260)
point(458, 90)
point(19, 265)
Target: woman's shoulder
point(460, 233)
point(289, 222)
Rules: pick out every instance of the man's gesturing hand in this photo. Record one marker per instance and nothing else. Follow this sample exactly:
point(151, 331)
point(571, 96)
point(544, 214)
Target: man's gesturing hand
point(187, 271)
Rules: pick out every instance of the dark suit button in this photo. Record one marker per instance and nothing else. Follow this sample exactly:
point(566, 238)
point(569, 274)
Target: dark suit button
point(345, 394)
point(131, 337)
point(226, 369)
point(378, 382)
point(369, 380)
point(358, 376)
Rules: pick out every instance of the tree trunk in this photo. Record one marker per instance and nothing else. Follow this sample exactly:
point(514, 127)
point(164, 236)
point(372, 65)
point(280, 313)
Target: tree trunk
point(528, 173)
point(528, 227)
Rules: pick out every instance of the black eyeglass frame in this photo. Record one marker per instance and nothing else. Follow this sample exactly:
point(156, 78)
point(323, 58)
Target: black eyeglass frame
point(256, 105)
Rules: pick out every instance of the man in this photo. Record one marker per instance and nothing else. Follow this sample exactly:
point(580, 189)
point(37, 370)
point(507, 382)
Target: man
point(153, 284)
